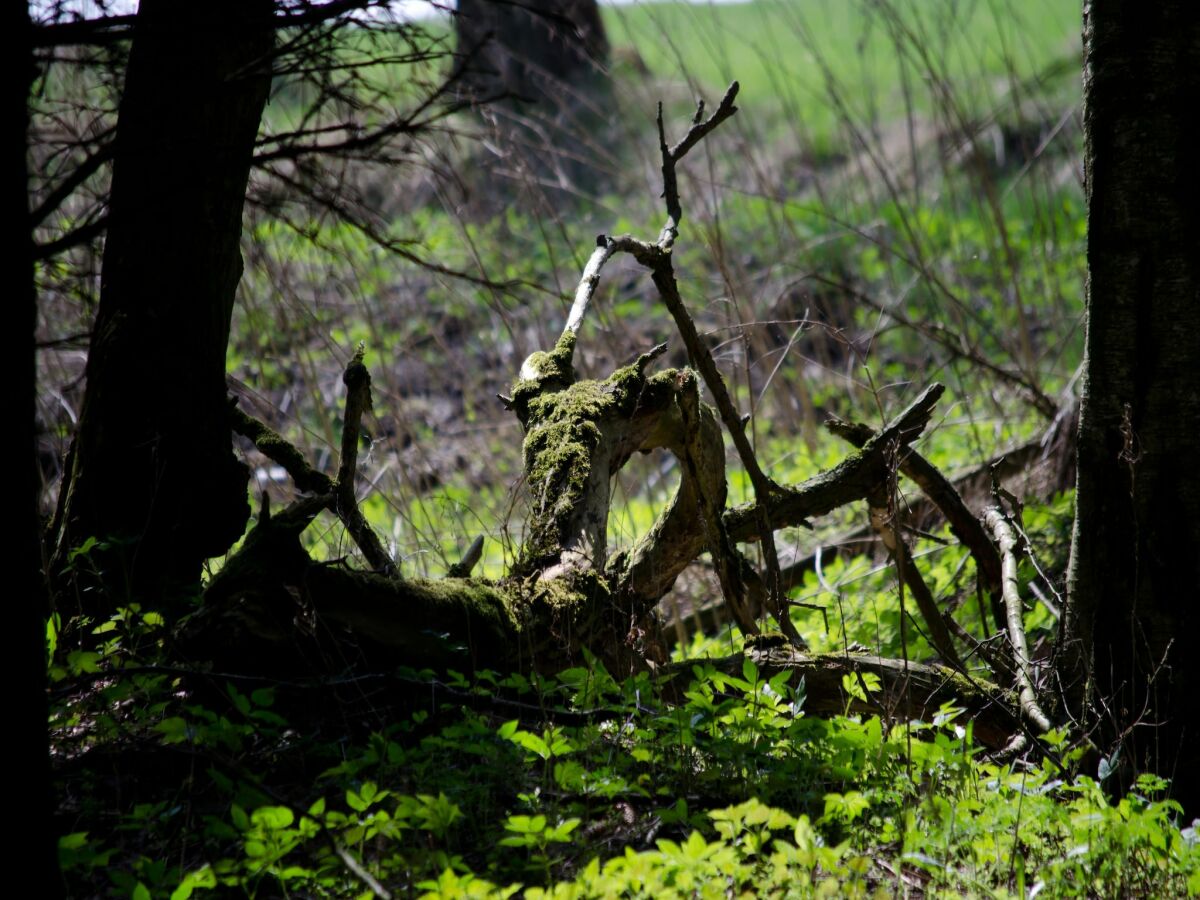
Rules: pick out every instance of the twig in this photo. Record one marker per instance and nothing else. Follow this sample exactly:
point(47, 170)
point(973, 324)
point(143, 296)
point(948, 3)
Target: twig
point(588, 282)
point(272, 445)
point(1006, 537)
point(359, 871)
point(657, 258)
point(951, 341)
point(998, 663)
point(470, 559)
point(336, 495)
point(850, 480)
point(700, 129)
point(883, 517)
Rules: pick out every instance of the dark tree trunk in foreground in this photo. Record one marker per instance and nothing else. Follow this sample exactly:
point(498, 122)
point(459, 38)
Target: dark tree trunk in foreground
point(153, 471)
point(1128, 656)
point(35, 842)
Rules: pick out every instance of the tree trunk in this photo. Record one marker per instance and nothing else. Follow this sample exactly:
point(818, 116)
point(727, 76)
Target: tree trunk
point(35, 842)
point(153, 474)
point(536, 70)
point(528, 51)
point(1126, 662)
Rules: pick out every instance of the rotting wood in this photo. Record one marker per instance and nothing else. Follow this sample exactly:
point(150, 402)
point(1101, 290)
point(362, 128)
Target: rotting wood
point(564, 593)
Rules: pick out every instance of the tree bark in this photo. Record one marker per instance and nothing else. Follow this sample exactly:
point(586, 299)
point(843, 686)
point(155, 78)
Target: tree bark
point(527, 52)
point(535, 69)
point(1126, 663)
point(36, 841)
point(153, 475)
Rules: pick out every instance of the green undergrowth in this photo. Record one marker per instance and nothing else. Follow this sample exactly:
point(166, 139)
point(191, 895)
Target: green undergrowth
point(180, 783)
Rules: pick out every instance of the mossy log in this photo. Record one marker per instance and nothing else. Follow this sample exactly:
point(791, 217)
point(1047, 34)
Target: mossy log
point(272, 602)
point(272, 607)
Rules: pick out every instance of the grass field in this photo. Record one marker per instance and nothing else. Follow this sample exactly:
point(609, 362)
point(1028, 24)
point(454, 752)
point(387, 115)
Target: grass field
point(788, 54)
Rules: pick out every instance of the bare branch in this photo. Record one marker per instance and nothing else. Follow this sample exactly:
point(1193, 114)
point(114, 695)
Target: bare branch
point(358, 401)
point(67, 186)
point(272, 445)
point(84, 234)
point(963, 523)
point(883, 520)
point(672, 155)
point(336, 495)
point(1006, 537)
point(850, 480)
point(588, 283)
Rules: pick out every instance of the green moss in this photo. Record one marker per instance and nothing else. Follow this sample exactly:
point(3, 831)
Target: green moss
point(765, 640)
point(559, 447)
point(630, 385)
point(564, 421)
point(478, 596)
point(543, 373)
point(558, 595)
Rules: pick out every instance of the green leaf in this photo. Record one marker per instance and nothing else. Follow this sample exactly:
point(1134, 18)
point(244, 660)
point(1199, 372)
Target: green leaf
point(175, 730)
point(1108, 765)
point(749, 670)
point(199, 878)
point(273, 817)
point(240, 820)
point(73, 841)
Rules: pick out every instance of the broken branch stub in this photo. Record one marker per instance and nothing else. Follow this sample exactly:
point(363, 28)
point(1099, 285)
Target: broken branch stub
point(335, 494)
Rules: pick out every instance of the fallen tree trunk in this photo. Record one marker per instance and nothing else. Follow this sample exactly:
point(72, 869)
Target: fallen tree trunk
point(564, 593)
point(273, 608)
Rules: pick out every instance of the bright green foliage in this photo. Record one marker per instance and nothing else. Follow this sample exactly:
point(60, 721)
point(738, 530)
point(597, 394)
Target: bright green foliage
point(732, 789)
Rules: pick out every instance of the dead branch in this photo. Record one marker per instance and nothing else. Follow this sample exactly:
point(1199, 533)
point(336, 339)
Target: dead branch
point(358, 402)
point(850, 480)
point(908, 691)
point(336, 495)
point(657, 258)
point(883, 516)
point(274, 447)
point(963, 523)
point(470, 559)
point(1006, 537)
